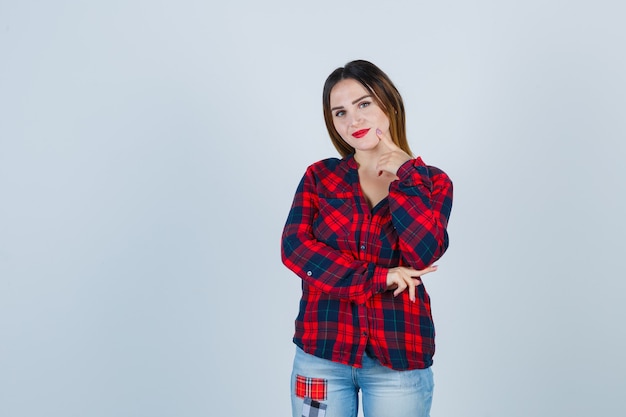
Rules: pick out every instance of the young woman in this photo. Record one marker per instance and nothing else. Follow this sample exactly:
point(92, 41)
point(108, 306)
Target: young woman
point(361, 232)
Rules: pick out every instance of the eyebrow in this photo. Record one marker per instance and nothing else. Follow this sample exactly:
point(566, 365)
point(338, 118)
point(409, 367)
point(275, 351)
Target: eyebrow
point(354, 102)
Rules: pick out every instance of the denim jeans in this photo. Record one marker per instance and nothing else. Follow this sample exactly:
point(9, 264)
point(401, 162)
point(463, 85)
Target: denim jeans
point(322, 388)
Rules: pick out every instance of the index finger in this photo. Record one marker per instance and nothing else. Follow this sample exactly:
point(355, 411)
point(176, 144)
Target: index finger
point(386, 139)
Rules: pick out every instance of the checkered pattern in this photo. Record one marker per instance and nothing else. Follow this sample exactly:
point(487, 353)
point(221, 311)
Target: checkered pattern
point(312, 408)
point(342, 250)
point(313, 388)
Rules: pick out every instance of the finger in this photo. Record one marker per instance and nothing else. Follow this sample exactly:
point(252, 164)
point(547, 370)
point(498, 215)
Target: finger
point(428, 270)
point(385, 138)
point(420, 272)
point(380, 165)
point(401, 287)
point(385, 163)
point(412, 290)
point(406, 281)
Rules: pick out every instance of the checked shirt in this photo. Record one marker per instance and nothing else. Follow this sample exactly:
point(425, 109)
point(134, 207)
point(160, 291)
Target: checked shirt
point(342, 249)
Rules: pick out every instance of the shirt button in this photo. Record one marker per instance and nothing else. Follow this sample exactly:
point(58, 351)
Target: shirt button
point(309, 273)
point(362, 247)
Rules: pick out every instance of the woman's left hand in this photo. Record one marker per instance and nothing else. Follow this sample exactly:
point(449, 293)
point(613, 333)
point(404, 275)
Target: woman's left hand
point(392, 160)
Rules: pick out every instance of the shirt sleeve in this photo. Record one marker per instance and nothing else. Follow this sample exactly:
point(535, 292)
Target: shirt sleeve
point(420, 203)
point(319, 265)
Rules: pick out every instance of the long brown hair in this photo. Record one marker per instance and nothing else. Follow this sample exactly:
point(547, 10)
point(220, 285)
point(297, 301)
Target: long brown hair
point(384, 92)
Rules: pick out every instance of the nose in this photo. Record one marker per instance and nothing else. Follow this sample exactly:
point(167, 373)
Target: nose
point(356, 119)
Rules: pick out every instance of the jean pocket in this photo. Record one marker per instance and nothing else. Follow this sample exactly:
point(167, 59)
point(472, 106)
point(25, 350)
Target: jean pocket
point(313, 388)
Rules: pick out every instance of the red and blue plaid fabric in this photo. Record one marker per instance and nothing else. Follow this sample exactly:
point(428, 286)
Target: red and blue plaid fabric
point(313, 388)
point(342, 249)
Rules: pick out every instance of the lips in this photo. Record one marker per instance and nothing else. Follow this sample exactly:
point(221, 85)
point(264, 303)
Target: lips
point(360, 133)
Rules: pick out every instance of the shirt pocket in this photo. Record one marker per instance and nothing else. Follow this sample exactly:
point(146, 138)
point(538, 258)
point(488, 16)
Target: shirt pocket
point(334, 220)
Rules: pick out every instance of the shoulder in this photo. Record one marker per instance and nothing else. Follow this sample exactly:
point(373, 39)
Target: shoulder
point(433, 172)
point(331, 176)
point(328, 165)
point(437, 173)
point(427, 172)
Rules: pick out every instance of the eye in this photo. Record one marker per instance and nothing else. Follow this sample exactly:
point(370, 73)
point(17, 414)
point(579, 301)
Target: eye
point(340, 113)
point(364, 104)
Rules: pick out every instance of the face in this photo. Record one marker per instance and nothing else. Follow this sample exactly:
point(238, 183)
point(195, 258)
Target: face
point(356, 116)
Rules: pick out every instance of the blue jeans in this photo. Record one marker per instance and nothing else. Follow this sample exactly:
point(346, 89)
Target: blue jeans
point(323, 388)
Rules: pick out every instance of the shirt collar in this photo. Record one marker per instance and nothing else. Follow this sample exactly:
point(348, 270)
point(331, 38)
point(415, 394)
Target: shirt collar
point(351, 161)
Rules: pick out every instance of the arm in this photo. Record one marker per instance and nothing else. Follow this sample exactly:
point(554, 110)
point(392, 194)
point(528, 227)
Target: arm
point(420, 203)
point(319, 265)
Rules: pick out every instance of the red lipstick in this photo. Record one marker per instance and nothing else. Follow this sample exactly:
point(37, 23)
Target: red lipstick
point(360, 133)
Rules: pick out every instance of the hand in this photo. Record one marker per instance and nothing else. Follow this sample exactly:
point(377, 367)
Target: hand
point(393, 159)
point(400, 278)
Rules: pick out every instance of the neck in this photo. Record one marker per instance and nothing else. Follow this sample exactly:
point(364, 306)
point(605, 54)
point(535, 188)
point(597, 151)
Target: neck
point(367, 160)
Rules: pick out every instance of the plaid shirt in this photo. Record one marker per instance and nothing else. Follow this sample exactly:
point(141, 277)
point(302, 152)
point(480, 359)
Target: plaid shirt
point(342, 250)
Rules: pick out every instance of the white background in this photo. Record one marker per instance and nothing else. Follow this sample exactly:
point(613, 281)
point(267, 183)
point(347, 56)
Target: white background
point(149, 151)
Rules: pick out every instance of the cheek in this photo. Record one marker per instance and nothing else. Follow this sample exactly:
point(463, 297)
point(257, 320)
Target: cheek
point(340, 128)
point(339, 124)
point(384, 122)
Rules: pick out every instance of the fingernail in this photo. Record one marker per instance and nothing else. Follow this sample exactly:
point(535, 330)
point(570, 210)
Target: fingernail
point(380, 132)
point(380, 173)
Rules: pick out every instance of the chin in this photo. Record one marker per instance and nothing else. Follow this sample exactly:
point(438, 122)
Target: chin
point(365, 148)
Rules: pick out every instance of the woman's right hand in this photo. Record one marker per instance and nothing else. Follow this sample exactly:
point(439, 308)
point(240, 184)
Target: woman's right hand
point(400, 278)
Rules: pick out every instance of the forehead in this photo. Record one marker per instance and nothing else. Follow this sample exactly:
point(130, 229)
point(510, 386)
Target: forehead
point(346, 91)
